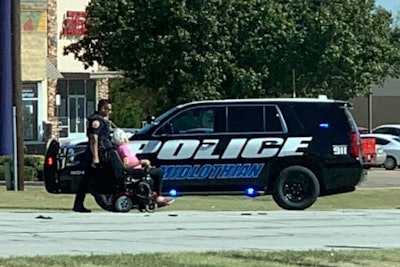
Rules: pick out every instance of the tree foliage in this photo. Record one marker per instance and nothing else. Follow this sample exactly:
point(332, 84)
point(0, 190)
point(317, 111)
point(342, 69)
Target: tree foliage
point(184, 50)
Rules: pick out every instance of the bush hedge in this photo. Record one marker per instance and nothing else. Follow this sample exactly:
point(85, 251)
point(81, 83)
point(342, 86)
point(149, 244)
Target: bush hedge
point(33, 167)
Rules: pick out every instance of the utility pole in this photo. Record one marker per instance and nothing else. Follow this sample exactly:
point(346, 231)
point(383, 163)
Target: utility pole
point(17, 87)
point(294, 82)
point(370, 109)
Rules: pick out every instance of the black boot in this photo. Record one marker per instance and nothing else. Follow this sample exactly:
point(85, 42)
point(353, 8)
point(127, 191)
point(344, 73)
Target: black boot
point(78, 203)
point(81, 209)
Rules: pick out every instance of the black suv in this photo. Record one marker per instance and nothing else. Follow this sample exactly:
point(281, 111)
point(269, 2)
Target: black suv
point(295, 149)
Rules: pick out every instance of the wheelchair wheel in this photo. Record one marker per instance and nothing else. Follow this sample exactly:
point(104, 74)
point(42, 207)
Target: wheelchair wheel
point(143, 189)
point(151, 207)
point(123, 204)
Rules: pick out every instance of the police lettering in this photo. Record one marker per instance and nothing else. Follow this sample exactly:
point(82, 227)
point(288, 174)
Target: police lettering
point(181, 149)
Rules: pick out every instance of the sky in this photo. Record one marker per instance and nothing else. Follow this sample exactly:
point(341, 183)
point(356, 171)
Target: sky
point(390, 5)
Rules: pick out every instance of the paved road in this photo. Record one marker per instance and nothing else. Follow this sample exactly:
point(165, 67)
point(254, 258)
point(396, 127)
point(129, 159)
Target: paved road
point(50, 233)
point(24, 233)
point(379, 177)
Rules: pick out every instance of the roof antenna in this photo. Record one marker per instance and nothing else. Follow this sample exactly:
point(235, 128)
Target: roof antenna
point(294, 82)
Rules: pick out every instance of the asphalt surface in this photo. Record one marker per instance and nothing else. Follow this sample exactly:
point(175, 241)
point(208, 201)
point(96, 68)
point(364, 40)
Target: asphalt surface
point(379, 177)
point(34, 233)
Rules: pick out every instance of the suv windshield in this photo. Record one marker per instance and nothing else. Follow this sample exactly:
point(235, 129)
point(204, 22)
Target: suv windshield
point(156, 121)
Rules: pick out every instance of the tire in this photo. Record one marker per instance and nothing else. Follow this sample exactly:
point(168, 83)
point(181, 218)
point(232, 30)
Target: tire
point(151, 207)
point(296, 188)
point(390, 163)
point(105, 201)
point(123, 204)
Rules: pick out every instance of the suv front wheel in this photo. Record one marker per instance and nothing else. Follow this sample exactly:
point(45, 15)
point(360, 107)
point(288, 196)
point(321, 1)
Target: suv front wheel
point(296, 188)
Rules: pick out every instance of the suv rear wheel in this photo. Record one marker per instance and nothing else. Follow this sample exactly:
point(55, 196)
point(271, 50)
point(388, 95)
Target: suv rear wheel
point(296, 188)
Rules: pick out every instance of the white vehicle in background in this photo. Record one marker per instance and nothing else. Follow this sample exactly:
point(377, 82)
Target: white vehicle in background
point(391, 146)
point(393, 129)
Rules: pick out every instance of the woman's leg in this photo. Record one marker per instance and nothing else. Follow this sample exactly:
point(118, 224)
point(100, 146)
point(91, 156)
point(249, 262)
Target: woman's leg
point(157, 176)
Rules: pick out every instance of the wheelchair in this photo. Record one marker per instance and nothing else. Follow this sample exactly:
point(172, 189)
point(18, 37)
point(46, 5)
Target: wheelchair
point(132, 189)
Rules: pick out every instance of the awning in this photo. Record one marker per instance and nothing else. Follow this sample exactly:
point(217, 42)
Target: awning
point(93, 75)
point(51, 71)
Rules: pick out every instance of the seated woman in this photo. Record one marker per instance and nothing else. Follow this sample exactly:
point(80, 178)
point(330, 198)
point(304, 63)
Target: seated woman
point(131, 162)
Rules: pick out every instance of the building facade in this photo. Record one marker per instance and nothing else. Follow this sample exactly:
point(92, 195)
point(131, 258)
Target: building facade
point(58, 92)
point(382, 106)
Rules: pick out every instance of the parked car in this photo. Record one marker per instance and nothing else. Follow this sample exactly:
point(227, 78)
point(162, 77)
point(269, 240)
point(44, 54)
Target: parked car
point(374, 154)
point(391, 146)
point(393, 129)
point(368, 149)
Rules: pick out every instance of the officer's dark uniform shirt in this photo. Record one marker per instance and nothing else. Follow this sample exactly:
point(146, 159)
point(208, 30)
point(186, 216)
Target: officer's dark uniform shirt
point(99, 126)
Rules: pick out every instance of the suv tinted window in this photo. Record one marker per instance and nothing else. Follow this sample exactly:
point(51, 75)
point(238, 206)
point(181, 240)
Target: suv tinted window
point(245, 119)
point(195, 121)
point(314, 117)
point(272, 119)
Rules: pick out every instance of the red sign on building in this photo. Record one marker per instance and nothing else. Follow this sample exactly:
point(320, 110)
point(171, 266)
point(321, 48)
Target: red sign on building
point(74, 23)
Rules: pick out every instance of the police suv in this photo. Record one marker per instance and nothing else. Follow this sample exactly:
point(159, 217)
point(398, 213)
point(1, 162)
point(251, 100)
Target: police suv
point(295, 149)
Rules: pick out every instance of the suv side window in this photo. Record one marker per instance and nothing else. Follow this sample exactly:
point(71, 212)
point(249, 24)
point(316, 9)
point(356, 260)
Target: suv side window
point(272, 119)
point(245, 119)
point(195, 121)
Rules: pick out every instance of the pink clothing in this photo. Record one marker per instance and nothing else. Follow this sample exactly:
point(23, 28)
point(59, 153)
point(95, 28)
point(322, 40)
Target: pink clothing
point(125, 151)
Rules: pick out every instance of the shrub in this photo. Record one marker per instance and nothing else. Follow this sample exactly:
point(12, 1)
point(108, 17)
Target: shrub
point(33, 165)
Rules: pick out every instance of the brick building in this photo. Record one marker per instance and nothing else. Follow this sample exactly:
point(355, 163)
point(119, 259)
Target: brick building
point(58, 93)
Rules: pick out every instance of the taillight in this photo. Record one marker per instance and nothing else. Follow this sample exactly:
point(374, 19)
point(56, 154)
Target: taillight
point(49, 161)
point(354, 147)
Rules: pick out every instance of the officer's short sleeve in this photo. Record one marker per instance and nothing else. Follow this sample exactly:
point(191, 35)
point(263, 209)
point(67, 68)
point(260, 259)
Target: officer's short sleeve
point(95, 127)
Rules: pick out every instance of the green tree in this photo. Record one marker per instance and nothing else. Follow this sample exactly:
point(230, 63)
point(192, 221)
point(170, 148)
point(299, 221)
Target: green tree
point(184, 50)
point(129, 106)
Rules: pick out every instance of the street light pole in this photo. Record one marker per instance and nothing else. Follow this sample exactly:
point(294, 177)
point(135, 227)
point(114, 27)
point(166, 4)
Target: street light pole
point(370, 109)
point(17, 87)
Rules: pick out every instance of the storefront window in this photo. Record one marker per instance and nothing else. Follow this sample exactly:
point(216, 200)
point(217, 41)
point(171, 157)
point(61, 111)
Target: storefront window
point(30, 111)
point(77, 102)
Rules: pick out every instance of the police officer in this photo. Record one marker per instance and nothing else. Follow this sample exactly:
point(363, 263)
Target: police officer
point(98, 132)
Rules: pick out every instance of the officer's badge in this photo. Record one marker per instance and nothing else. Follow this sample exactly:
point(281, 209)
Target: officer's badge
point(95, 124)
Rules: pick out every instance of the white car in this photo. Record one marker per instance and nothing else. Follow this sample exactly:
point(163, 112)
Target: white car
point(391, 145)
point(393, 129)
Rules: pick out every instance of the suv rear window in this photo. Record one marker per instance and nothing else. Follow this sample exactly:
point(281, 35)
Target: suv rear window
point(312, 117)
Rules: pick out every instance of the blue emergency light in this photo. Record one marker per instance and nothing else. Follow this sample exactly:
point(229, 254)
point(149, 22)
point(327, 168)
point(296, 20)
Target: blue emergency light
point(250, 192)
point(173, 193)
point(324, 125)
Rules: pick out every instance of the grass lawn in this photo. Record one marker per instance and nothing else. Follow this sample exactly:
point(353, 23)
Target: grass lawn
point(343, 258)
point(35, 197)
